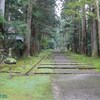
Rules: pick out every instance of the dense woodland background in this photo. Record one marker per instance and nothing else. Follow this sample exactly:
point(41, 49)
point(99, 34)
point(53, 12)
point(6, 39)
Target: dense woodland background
point(29, 26)
point(82, 23)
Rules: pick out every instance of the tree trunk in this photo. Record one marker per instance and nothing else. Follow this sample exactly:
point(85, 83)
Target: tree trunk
point(94, 40)
point(98, 18)
point(28, 35)
point(2, 11)
point(84, 33)
point(80, 38)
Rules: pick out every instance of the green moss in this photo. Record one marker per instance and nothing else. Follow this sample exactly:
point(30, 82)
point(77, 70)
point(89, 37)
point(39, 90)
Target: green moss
point(44, 70)
point(27, 88)
point(24, 64)
point(85, 59)
point(10, 60)
point(36, 87)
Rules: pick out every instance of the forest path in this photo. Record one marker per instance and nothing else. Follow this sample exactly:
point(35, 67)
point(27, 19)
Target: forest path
point(71, 81)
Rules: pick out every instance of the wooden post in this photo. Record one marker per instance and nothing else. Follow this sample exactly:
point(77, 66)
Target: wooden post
point(10, 73)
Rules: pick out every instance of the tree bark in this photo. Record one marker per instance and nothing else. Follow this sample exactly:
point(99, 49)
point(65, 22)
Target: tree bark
point(94, 40)
point(98, 19)
point(84, 33)
point(28, 35)
point(80, 38)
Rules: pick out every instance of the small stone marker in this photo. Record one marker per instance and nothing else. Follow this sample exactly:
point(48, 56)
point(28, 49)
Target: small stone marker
point(10, 61)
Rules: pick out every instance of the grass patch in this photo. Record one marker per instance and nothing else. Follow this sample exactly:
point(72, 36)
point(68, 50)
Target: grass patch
point(47, 61)
point(85, 59)
point(37, 87)
point(24, 64)
point(44, 70)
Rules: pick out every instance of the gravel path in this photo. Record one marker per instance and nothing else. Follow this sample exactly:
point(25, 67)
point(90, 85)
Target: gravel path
point(74, 84)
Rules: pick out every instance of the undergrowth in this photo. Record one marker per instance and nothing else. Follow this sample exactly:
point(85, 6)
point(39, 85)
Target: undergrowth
point(86, 59)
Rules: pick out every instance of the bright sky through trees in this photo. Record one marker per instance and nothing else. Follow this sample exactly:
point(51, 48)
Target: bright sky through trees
point(59, 6)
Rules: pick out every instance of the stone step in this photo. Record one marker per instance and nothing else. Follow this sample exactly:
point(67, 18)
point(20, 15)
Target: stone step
point(73, 67)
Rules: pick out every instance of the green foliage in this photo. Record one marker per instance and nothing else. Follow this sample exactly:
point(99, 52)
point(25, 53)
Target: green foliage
point(78, 11)
point(44, 42)
point(43, 20)
point(23, 2)
point(2, 20)
point(78, 4)
point(91, 14)
point(37, 12)
point(85, 59)
point(73, 5)
point(75, 8)
point(19, 27)
point(71, 12)
point(1, 36)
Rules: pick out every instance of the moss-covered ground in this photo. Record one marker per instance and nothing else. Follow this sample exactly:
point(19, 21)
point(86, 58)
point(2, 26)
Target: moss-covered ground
point(37, 87)
point(94, 61)
point(23, 64)
point(31, 87)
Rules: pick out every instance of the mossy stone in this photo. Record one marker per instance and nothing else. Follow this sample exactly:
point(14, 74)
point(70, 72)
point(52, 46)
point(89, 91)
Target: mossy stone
point(10, 61)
